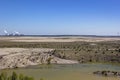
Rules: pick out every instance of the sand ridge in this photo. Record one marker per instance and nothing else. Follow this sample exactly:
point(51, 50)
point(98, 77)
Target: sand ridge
point(22, 57)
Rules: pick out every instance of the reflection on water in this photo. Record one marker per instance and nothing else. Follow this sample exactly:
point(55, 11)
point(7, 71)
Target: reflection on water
point(67, 72)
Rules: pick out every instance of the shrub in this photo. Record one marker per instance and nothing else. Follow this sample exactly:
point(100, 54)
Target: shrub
point(49, 60)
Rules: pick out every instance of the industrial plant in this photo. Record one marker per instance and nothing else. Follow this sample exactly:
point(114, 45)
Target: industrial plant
point(15, 33)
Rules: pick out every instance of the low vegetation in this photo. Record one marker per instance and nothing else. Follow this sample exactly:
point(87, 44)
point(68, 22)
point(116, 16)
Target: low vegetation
point(15, 76)
point(107, 73)
point(81, 51)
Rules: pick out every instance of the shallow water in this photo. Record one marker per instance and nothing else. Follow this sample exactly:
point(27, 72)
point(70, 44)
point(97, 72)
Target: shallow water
point(67, 72)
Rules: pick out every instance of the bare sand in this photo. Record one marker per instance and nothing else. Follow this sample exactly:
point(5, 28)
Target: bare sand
point(57, 39)
point(22, 57)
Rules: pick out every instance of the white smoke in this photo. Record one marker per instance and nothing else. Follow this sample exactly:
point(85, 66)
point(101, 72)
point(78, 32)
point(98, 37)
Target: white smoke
point(5, 31)
point(17, 32)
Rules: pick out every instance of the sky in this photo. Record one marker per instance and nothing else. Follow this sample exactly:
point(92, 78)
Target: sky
point(60, 17)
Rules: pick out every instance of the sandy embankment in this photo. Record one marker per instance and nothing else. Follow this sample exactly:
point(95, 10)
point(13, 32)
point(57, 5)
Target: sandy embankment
point(22, 57)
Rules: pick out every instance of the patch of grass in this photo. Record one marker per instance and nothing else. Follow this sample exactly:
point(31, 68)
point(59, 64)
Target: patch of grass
point(15, 76)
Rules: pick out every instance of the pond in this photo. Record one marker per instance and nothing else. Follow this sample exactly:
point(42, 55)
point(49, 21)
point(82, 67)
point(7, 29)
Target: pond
point(66, 72)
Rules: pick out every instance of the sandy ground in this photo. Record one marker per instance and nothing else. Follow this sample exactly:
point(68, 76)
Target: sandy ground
point(22, 57)
point(57, 39)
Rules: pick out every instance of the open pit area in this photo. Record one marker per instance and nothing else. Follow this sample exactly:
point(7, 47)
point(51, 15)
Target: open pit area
point(58, 50)
point(87, 58)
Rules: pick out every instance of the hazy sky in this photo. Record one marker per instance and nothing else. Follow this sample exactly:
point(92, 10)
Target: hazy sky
point(93, 17)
